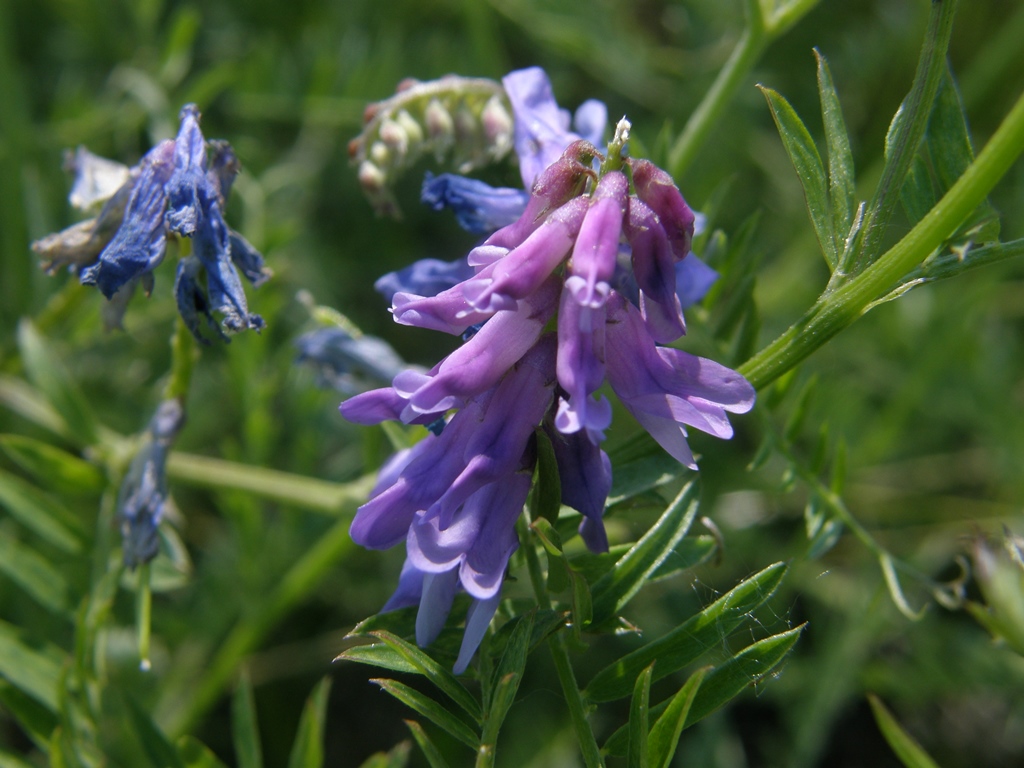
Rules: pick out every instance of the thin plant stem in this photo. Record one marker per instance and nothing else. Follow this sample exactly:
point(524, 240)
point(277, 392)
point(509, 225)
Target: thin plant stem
point(560, 655)
point(285, 487)
point(840, 308)
point(144, 615)
point(760, 32)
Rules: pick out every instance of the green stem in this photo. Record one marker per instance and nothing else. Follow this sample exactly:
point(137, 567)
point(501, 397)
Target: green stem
point(183, 358)
point(840, 308)
point(573, 697)
point(757, 36)
point(247, 634)
point(560, 654)
point(144, 615)
point(285, 487)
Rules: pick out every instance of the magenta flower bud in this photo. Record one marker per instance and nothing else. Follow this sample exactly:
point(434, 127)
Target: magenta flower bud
point(656, 188)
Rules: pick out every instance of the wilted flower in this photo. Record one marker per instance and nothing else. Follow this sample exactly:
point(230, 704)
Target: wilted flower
point(179, 188)
point(598, 246)
point(143, 493)
point(348, 363)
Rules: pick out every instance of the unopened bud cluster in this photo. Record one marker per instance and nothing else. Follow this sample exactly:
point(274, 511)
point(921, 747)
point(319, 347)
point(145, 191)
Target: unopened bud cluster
point(466, 117)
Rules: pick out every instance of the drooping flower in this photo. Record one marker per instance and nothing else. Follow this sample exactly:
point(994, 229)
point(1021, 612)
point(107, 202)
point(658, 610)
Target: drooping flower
point(143, 495)
point(178, 189)
point(348, 363)
point(603, 251)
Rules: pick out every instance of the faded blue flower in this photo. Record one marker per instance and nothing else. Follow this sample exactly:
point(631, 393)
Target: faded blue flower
point(178, 189)
point(143, 494)
point(348, 364)
point(478, 207)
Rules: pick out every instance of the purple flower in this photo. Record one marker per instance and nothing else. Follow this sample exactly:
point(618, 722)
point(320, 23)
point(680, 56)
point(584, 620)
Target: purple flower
point(179, 188)
point(614, 271)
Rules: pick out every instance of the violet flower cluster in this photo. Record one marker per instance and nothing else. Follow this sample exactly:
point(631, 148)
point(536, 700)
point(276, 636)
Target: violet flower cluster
point(580, 289)
point(179, 188)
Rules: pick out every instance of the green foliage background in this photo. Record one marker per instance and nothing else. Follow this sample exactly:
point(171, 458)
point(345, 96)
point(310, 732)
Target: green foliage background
point(926, 394)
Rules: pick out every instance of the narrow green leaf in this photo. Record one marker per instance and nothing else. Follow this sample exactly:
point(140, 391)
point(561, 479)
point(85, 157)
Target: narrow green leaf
point(906, 748)
point(154, 743)
point(434, 672)
point(841, 176)
point(35, 671)
point(661, 745)
point(689, 553)
point(308, 749)
point(807, 162)
point(49, 375)
point(59, 470)
point(379, 655)
point(33, 573)
point(431, 710)
point(434, 757)
point(195, 754)
point(39, 512)
point(722, 683)
point(245, 730)
point(632, 571)
point(690, 640)
point(750, 665)
point(639, 475)
point(639, 706)
point(507, 677)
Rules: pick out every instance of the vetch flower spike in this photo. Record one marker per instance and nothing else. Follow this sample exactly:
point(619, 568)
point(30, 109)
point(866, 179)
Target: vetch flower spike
point(607, 266)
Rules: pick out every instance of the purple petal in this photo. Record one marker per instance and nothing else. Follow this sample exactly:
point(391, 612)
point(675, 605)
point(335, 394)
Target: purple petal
point(665, 388)
point(435, 604)
point(409, 590)
point(426, 277)
point(526, 267)
point(597, 245)
point(590, 120)
point(477, 620)
point(480, 362)
point(694, 279)
point(656, 188)
point(541, 127)
point(586, 478)
point(654, 267)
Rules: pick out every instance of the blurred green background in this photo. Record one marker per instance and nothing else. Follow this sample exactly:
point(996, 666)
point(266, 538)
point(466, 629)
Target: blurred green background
point(926, 393)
